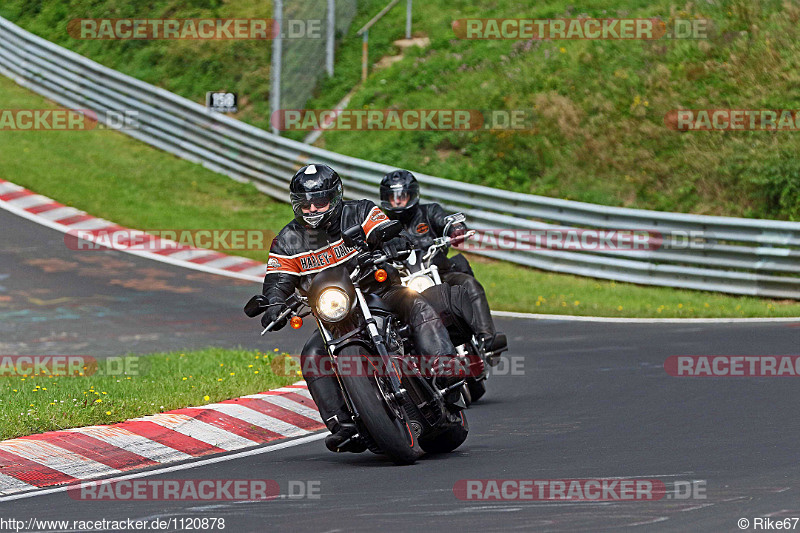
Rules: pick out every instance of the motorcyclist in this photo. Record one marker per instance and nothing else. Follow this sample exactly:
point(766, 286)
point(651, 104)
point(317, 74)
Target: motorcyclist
point(313, 242)
point(423, 222)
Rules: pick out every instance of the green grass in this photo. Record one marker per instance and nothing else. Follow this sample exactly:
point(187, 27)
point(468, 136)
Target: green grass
point(156, 383)
point(113, 176)
point(186, 67)
point(599, 106)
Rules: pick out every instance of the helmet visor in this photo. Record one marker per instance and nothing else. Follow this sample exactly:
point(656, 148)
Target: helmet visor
point(319, 199)
point(398, 199)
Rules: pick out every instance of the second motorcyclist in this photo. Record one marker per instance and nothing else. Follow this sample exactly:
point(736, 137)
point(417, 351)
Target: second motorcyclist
point(399, 192)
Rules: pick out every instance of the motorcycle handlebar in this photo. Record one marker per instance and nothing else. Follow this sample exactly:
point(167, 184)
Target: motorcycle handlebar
point(292, 304)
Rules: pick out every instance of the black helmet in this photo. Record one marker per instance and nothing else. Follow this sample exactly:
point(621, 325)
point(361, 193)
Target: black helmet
point(399, 185)
point(320, 185)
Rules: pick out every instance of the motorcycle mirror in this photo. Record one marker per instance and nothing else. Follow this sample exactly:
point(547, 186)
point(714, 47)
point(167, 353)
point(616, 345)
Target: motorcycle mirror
point(390, 230)
point(354, 236)
point(256, 306)
point(455, 218)
point(450, 220)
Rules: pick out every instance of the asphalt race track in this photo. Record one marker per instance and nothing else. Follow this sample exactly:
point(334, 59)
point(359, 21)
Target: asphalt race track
point(587, 400)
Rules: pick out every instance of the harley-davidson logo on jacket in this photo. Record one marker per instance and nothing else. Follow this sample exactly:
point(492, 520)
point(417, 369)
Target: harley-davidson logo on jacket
point(304, 262)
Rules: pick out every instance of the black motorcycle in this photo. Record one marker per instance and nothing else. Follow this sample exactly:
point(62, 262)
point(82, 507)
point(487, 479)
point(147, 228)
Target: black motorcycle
point(397, 406)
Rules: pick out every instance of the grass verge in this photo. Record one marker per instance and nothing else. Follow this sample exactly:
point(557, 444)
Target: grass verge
point(154, 383)
point(113, 176)
point(597, 106)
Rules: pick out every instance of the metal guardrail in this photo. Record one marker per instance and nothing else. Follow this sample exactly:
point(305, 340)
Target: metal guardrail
point(732, 255)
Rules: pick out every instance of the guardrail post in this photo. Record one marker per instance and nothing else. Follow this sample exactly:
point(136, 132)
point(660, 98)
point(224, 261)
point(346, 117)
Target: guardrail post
point(408, 19)
point(275, 71)
point(331, 35)
point(364, 32)
point(364, 55)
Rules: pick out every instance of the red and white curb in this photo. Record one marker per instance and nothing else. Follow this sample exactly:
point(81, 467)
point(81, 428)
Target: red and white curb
point(76, 455)
point(45, 211)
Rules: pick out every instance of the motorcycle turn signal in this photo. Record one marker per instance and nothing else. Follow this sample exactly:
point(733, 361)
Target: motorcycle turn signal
point(381, 275)
point(296, 322)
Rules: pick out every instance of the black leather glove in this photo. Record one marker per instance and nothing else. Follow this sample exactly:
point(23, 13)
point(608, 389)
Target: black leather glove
point(394, 247)
point(272, 312)
point(457, 231)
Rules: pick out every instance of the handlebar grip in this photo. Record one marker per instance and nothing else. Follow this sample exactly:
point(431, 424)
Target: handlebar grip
point(286, 312)
point(461, 238)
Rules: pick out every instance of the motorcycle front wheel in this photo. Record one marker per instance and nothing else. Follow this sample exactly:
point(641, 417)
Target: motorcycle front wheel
point(384, 420)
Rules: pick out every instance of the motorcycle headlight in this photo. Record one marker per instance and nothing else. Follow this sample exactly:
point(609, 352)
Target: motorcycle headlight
point(420, 283)
point(333, 305)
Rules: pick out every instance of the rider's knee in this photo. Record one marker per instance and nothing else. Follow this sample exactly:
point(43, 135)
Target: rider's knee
point(422, 311)
point(313, 359)
point(472, 285)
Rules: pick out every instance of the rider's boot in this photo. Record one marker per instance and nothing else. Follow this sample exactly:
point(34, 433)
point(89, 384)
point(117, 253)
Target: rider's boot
point(329, 399)
point(344, 438)
point(471, 303)
point(492, 345)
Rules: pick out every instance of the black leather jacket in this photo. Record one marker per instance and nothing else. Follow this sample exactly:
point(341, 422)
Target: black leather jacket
point(425, 222)
point(298, 253)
